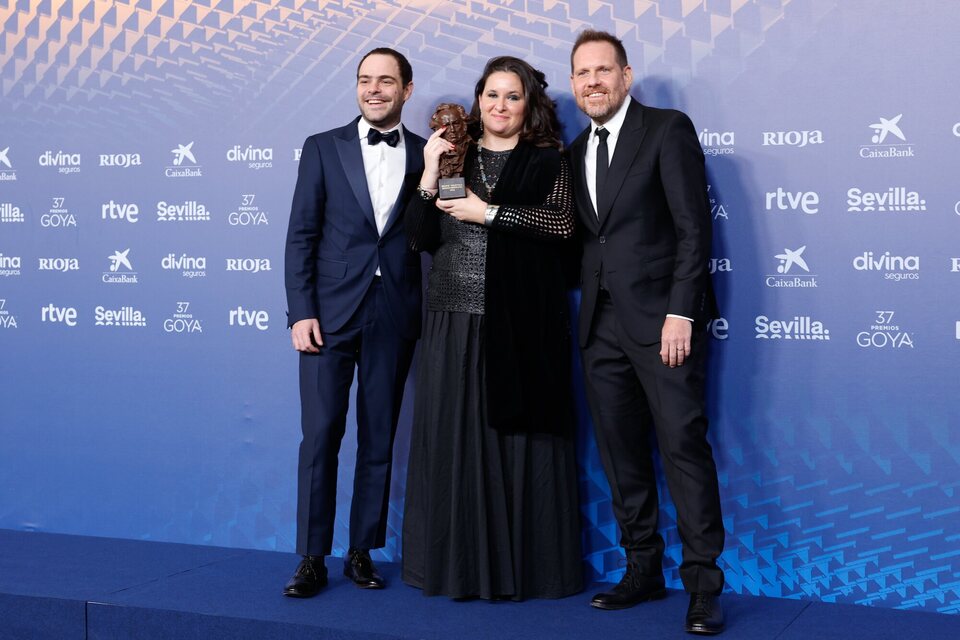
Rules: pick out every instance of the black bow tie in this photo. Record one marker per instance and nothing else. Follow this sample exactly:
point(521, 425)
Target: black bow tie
point(390, 137)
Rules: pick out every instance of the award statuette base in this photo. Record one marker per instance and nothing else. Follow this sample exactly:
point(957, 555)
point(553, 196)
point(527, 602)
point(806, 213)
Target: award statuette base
point(452, 188)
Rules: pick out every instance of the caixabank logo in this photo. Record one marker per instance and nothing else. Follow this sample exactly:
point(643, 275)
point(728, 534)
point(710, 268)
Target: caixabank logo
point(893, 199)
point(121, 269)
point(884, 333)
point(184, 164)
point(58, 216)
point(7, 172)
point(64, 162)
point(182, 321)
point(124, 316)
point(793, 272)
point(7, 319)
point(890, 266)
point(10, 266)
point(796, 328)
point(10, 213)
point(248, 213)
point(887, 140)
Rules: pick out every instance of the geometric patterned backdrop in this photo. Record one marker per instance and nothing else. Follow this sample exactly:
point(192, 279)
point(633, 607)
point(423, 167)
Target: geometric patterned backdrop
point(157, 141)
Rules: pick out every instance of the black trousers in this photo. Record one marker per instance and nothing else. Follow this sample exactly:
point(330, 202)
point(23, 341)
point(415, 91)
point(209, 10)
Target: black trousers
point(630, 390)
point(370, 344)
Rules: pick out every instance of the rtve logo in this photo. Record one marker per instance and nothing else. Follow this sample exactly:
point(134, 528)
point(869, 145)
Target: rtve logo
point(62, 315)
point(806, 201)
point(241, 317)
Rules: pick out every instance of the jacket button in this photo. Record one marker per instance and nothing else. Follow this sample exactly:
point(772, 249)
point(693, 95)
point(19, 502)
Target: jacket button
point(380, 243)
point(603, 240)
point(596, 274)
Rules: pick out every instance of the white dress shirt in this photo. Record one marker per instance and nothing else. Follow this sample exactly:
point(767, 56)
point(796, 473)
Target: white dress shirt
point(384, 167)
point(613, 125)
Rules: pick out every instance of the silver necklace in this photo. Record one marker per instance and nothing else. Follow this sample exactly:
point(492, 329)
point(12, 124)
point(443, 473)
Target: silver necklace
point(483, 174)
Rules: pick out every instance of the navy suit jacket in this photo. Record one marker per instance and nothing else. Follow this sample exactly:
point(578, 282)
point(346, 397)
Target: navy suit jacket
point(652, 236)
point(333, 248)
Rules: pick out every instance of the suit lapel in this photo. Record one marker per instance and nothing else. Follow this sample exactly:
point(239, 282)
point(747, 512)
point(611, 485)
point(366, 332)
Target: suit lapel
point(588, 214)
point(628, 145)
point(348, 148)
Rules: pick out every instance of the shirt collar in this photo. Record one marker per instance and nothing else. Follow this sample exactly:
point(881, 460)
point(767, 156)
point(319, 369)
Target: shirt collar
point(363, 127)
point(614, 124)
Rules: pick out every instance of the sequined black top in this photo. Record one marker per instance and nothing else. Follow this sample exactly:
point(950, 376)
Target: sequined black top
point(456, 279)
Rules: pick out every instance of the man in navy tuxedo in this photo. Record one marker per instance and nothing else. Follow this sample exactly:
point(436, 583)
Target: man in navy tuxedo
point(641, 195)
point(354, 297)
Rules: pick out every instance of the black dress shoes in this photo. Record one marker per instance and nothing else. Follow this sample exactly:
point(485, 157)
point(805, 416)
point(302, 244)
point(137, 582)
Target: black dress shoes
point(358, 567)
point(705, 615)
point(310, 577)
point(632, 589)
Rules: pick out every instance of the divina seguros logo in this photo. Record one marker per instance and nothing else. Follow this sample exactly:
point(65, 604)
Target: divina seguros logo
point(717, 143)
point(188, 266)
point(892, 267)
point(62, 161)
point(254, 157)
point(10, 265)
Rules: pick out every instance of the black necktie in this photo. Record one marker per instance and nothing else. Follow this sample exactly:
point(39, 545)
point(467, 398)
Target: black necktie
point(391, 137)
point(603, 163)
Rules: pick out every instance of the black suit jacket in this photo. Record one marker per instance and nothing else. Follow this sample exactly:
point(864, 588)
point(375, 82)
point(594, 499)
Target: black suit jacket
point(651, 237)
point(333, 246)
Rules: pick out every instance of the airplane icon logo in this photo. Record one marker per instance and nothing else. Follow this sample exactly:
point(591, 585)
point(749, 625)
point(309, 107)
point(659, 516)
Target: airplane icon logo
point(183, 151)
point(120, 259)
point(884, 127)
point(4, 159)
point(789, 258)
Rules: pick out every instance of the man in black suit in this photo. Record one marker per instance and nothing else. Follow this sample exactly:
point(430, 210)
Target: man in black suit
point(353, 292)
point(646, 298)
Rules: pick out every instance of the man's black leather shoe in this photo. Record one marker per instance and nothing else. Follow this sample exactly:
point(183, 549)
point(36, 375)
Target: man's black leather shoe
point(632, 589)
point(358, 566)
point(310, 577)
point(705, 615)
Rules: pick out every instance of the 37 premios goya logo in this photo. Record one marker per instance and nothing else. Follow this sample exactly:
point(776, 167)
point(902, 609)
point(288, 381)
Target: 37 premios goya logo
point(884, 333)
point(7, 319)
point(182, 320)
point(248, 214)
point(58, 216)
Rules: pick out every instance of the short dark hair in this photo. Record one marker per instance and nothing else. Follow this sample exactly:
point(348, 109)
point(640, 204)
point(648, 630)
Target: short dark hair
point(592, 35)
point(406, 71)
point(541, 127)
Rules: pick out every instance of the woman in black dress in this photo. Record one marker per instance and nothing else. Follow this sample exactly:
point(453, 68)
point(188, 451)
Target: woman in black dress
point(491, 499)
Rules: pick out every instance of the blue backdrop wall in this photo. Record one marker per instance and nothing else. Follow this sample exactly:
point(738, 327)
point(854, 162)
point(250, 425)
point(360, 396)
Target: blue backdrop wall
point(147, 159)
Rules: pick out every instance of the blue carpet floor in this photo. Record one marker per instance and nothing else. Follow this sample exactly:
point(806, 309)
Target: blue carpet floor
point(65, 587)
